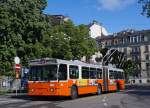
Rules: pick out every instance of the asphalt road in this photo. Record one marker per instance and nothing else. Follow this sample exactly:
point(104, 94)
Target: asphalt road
point(135, 96)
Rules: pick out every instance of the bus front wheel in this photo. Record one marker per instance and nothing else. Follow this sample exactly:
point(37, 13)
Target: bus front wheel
point(74, 92)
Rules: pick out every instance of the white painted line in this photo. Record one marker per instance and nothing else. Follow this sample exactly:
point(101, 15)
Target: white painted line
point(105, 104)
point(103, 100)
point(10, 101)
point(33, 104)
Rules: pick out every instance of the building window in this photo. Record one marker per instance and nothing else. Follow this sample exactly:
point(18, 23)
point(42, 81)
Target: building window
point(145, 39)
point(139, 38)
point(135, 49)
point(142, 38)
point(125, 50)
point(131, 39)
point(146, 57)
point(128, 39)
point(148, 69)
point(146, 48)
point(135, 39)
point(123, 40)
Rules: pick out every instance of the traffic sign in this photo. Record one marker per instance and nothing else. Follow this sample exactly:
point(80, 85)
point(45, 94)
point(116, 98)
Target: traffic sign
point(17, 60)
point(17, 69)
point(17, 66)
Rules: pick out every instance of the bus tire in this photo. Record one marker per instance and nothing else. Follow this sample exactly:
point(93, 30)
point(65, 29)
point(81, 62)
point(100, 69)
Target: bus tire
point(99, 89)
point(74, 92)
point(118, 87)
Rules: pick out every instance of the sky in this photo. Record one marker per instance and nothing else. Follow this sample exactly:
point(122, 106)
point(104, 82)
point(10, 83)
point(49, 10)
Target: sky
point(115, 15)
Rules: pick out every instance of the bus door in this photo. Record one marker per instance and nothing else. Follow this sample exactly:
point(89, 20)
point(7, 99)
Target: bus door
point(105, 78)
point(62, 79)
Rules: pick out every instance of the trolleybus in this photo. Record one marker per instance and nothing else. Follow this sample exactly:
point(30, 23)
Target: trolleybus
point(55, 77)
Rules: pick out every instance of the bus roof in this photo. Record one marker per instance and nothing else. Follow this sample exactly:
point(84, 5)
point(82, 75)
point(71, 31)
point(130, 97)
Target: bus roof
point(113, 68)
point(46, 61)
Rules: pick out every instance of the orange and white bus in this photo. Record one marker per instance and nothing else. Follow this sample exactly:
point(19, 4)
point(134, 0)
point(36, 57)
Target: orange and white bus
point(55, 77)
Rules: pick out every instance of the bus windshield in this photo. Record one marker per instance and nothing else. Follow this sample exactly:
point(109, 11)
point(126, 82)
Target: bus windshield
point(43, 73)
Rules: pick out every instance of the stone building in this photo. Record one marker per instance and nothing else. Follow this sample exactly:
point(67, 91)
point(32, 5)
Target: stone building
point(136, 46)
point(58, 19)
point(97, 30)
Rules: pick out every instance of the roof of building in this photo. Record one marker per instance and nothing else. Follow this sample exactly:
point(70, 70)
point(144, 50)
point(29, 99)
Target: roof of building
point(128, 32)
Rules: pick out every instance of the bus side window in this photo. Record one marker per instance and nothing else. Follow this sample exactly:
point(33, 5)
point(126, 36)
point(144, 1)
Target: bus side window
point(116, 74)
point(119, 75)
point(93, 73)
point(62, 73)
point(73, 72)
point(30, 77)
point(111, 74)
point(45, 73)
point(34, 75)
point(39, 73)
point(122, 75)
point(85, 73)
point(99, 73)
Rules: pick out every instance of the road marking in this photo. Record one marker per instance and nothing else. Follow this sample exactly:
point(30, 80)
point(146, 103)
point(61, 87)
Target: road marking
point(103, 100)
point(43, 107)
point(33, 104)
point(10, 101)
point(105, 104)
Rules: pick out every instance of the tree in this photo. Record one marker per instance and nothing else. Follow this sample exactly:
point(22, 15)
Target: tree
point(146, 7)
point(26, 32)
point(22, 29)
point(129, 67)
point(72, 42)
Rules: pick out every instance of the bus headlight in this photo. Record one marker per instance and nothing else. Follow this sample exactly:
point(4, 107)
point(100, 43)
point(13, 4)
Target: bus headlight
point(51, 89)
point(31, 90)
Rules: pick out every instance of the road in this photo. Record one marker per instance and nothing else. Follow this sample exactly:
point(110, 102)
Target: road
point(136, 96)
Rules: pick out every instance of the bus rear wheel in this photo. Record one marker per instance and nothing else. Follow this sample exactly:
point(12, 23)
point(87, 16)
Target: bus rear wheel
point(74, 92)
point(99, 90)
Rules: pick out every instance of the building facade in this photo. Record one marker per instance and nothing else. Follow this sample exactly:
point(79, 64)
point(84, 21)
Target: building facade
point(58, 19)
point(136, 46)
point(97, 30)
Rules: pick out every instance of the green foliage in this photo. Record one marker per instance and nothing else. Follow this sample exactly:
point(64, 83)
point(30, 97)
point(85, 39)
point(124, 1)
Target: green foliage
point(26, 32)
point(72, 42)
point(22, 28)
point(129, 67)
point(146, 7)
